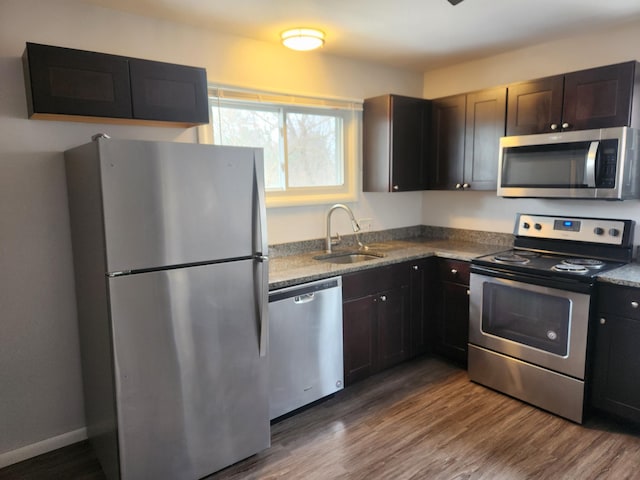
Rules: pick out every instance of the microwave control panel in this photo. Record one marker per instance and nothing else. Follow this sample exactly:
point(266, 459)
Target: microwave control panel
point(592, 230)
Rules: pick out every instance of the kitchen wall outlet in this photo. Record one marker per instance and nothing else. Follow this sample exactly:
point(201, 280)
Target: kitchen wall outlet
point(365, 224)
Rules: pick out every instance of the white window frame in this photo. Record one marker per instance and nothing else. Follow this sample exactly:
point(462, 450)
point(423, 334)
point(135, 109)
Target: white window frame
point(349, 110)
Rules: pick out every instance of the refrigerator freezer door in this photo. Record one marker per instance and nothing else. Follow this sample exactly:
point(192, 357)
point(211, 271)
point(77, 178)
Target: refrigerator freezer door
point(178, 203)
point(191, 387)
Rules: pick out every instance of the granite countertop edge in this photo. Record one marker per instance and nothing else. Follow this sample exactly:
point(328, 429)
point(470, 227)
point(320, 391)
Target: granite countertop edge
point(301, 268)
point(627, 275)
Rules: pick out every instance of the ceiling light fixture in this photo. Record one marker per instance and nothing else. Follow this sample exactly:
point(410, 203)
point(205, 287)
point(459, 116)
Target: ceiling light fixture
point(302, 38)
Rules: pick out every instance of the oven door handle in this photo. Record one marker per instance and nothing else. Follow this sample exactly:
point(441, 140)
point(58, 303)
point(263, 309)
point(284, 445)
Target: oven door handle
point(549, 282)
point(590, 165)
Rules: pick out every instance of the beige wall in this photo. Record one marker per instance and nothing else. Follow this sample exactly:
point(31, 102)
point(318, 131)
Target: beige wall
point(40, 389)
point(483, 210)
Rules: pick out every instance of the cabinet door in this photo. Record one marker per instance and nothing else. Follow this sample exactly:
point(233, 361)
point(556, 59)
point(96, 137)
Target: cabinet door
point(64, 81)
point(533, 107)
point(408, 155)
point(485, 124)
point(598, 97)
point(447, 142)
point(359, 336)
point(421, 301)
point(168, 92)
point(394, 137)
point(392, 309)
point(616, 372)
point(453, 321)
point(452, 318)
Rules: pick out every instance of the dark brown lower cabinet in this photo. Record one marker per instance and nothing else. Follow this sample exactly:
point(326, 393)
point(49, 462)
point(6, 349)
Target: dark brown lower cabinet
point(616, 355)
point(392, 319)
point(451, 326)
point(384, 317)
point(422, 278)
point(359, 337)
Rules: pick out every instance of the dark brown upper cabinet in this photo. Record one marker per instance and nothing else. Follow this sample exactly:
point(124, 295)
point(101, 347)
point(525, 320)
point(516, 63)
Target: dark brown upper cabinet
point(68, 84)
point(464, 141)
point(75, 82)
point(395, 132)
point(594, 98)
point(161, 91)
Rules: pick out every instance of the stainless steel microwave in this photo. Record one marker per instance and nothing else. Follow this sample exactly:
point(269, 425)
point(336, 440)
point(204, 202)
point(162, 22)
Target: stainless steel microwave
point(595, 164)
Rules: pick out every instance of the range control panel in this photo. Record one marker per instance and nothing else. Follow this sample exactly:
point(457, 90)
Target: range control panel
point(593, 230)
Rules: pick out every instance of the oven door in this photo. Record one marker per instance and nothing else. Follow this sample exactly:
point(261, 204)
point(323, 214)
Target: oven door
point(537, 324)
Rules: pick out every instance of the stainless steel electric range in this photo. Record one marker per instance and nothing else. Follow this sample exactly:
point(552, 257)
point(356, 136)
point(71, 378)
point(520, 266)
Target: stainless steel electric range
point(530, 308)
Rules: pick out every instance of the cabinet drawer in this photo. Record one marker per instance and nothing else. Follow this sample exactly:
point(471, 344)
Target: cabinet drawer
point(454, 271)
point(621, 301)
point(374, 280)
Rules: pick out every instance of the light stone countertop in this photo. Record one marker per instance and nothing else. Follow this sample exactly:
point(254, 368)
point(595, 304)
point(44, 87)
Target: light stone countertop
point(299, 268)
point(628, 275)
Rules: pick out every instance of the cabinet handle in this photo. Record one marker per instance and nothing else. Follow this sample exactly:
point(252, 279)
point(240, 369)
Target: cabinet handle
point(415, 267)
point(454, 271)
point(468, 292)
point(565, 125)
point(396, 187)
point(458, 186)
point(634, 304)
point(554, 126)
point(603, 321)
point(465, 185)
point(383, 298)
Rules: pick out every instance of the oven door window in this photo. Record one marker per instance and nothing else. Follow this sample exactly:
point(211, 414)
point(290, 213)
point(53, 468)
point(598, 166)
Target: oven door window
point(526, 317)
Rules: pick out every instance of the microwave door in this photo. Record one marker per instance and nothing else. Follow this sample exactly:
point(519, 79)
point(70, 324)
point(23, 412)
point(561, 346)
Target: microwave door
point(600, 164)
point(590, 165)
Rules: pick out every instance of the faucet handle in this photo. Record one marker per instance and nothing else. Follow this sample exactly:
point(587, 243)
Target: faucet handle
point(336, 240)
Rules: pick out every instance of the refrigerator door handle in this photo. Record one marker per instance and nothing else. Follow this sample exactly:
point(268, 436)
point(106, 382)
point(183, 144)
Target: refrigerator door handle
point(261, 256)
point(264, 305)
point(258, 170)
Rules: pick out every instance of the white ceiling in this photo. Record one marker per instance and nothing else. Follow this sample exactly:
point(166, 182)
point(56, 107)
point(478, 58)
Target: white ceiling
point(412, 34)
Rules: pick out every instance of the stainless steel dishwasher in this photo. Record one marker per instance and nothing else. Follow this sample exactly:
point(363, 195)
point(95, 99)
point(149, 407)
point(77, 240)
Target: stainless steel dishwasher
point(305, 344)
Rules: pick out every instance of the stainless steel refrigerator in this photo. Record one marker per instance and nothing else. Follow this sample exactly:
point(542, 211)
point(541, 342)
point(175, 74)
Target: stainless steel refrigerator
point(170, 247)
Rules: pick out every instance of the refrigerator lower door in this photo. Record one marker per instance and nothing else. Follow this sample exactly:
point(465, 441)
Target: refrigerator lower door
point(191, 388)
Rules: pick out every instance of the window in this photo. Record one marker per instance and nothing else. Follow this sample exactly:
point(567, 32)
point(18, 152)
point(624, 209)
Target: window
point(311, 146)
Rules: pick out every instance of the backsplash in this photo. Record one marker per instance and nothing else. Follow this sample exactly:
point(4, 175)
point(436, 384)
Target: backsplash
point(405, 233)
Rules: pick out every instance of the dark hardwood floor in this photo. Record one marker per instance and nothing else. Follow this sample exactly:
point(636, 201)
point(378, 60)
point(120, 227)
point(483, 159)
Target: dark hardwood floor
point(421, 420)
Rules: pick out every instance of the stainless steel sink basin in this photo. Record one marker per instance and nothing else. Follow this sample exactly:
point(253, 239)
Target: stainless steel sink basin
point(348, 257)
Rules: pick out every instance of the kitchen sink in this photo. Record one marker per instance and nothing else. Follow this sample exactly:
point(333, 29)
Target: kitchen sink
point(348, 257)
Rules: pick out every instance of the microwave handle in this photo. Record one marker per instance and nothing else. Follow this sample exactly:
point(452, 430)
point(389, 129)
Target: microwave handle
point(590, 166)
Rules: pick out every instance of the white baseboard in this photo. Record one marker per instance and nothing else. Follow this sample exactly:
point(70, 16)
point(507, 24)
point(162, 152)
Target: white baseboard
point(38, 448)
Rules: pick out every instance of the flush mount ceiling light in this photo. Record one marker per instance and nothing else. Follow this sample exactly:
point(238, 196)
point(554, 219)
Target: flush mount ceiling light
point(302, 38)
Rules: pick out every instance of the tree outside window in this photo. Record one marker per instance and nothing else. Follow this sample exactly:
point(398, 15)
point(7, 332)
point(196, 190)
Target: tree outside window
point(310, 153)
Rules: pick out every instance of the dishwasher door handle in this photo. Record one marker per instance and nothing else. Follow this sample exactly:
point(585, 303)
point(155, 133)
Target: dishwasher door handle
point(306, 298)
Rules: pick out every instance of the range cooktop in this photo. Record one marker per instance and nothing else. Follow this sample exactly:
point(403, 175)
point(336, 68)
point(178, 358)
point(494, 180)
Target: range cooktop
point(568, 247)
point(530, 261)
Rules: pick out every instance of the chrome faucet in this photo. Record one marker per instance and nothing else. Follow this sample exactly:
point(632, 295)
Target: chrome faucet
point(354, 224)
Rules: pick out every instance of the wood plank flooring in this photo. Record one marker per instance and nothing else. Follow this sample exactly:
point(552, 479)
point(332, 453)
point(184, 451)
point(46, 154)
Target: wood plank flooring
point(421, 420)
